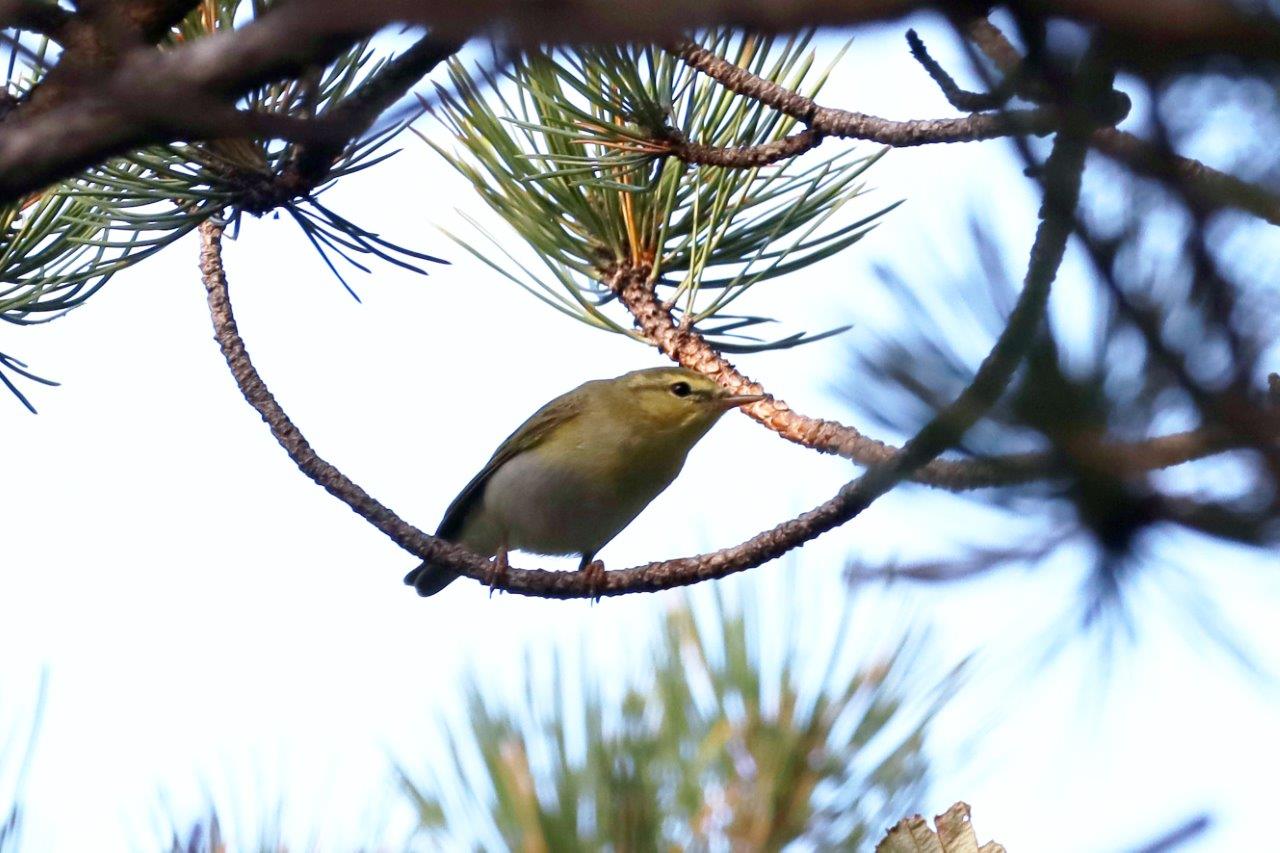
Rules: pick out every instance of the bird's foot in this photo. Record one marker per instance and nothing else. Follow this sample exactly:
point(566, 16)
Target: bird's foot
point(595, 579)
point(497, 575)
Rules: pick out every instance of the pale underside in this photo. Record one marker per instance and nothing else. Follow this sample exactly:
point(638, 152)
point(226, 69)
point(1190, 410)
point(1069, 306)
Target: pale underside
point(580, 469)
point(536, 502)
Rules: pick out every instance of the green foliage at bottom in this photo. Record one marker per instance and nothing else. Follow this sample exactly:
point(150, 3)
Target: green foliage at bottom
point(727, 741)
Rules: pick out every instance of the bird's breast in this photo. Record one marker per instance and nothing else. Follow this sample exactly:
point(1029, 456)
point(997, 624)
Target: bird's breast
point(573, 496)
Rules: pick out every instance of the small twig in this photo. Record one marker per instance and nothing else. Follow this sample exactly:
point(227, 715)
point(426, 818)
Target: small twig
point(957, 97)
point(988, 38)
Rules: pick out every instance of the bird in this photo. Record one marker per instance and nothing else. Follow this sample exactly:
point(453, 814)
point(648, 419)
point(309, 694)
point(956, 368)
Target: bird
point(580, 469)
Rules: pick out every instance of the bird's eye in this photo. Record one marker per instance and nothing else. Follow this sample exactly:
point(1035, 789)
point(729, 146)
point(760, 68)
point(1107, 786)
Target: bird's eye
point(681, 389)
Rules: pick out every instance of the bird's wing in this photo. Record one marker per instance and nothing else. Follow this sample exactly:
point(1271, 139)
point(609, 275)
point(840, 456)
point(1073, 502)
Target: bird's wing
point(528, 435)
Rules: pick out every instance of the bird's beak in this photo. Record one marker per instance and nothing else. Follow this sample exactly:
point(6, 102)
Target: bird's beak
point(731, 400)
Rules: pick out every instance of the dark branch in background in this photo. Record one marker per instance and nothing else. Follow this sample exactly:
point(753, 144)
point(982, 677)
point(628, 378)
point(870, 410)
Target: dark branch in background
point(95, 39)
point(42, 17)
point(1160, 31)
point(1209, 186)
point(1062, 186)
point(146, 96)
point(186, 93)
point(103, 99)
point(1250, 425)
point(1178, 837)
point(358, 112)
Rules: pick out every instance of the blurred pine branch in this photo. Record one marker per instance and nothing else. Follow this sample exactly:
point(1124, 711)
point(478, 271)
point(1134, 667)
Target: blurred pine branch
point(712, 748)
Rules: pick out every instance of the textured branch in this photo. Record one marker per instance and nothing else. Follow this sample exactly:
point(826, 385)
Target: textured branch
point(742, 156)
point(687, 347)
point(854, 125)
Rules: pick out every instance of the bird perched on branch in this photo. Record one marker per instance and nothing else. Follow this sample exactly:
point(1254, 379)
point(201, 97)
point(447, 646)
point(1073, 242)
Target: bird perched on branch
point(577, 472)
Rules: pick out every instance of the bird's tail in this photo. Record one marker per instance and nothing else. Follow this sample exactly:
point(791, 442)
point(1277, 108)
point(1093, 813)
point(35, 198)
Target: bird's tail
point(428, 579)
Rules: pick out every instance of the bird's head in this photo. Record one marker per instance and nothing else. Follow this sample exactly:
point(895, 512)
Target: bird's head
point(673, 399)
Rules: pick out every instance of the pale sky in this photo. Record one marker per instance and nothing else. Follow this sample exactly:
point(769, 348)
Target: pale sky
point(215, 626)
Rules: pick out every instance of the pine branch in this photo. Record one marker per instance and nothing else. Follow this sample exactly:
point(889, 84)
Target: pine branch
point(1062, 170)
point(148, 95)
point(690, 349)
point(847, 124)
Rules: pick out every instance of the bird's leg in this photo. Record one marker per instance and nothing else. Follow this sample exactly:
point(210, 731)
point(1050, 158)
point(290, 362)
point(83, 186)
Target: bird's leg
point(498, 571)
point(595, 574)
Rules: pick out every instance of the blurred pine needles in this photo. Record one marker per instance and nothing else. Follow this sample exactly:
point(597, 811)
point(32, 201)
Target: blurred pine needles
point(720, 744)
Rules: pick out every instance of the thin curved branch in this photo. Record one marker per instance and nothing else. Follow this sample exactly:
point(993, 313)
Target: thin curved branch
point(536, 582)
point(1065, 162)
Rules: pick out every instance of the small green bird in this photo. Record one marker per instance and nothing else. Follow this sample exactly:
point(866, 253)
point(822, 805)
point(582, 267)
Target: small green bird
point(577, 472)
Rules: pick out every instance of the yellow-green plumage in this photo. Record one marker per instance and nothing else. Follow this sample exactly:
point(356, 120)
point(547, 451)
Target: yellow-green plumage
point(577, 472)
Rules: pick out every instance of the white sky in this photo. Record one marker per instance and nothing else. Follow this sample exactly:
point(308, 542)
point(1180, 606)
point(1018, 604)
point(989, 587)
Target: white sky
point(215, 625)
